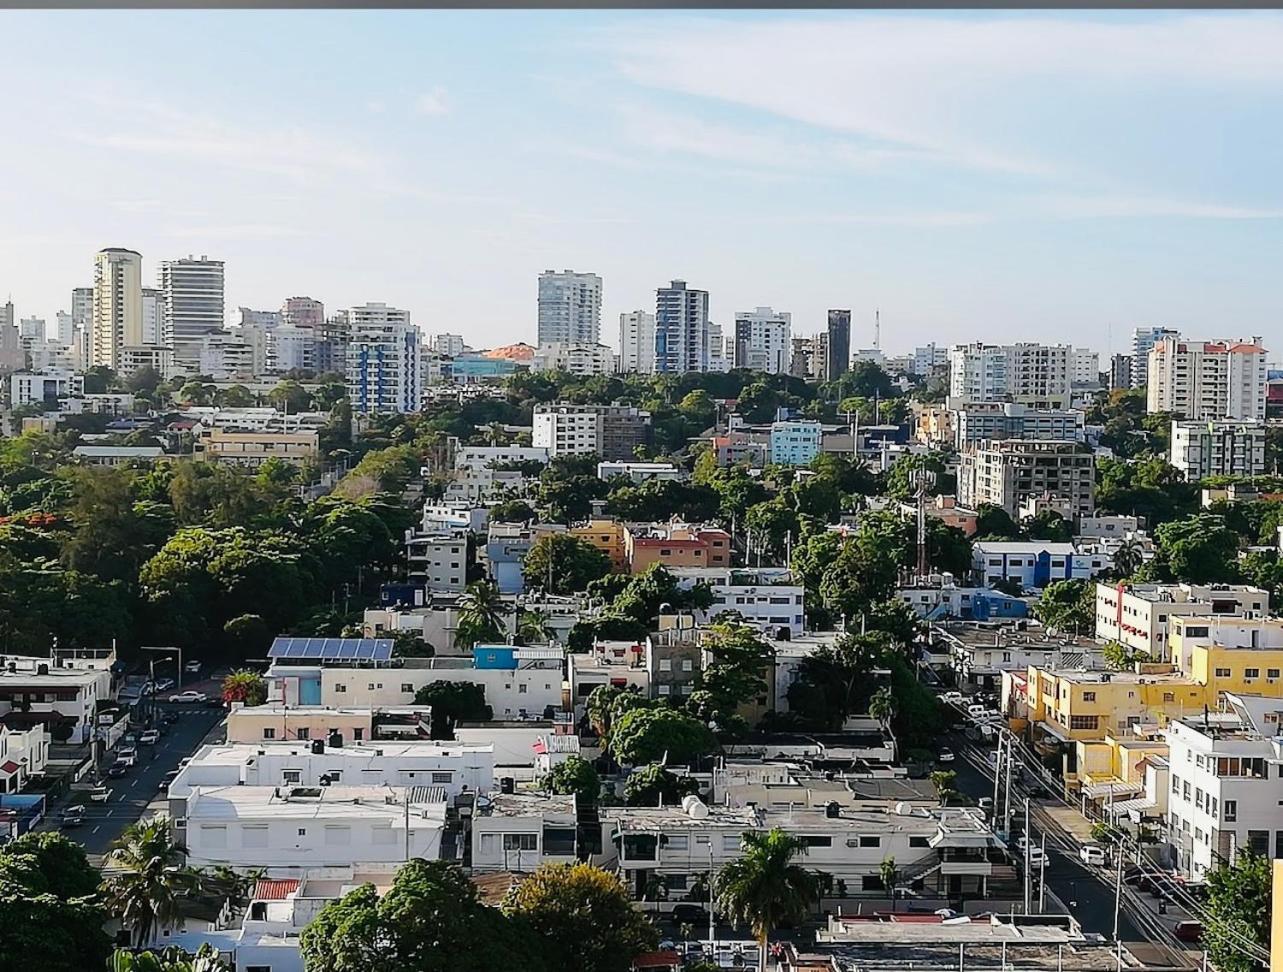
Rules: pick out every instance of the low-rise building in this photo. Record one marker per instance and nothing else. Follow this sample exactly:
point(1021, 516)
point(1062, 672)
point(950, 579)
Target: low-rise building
point(765, 597)
point(620, 664)
point(439, 560)
point(277, 722)
point(1036, 563)
point(980, 421)
point(794, 443)
point(1137, 615)
point(1222, 448)
point(981, 651)
point(490, 473)
point(948, 511)
point(1230, 655)
point(640, 472)
point(1077, 705)
point(938, 597)
point(1107, 526)
point(607, 536)
point(99, 455)
point(39, 691)
point(675, 545)
point(252, 449)
point(519, 831)
point(24, 754)
point(43, 387)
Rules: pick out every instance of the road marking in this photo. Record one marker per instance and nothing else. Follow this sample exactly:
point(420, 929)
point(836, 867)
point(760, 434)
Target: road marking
point(133, 782)
point(96, 829)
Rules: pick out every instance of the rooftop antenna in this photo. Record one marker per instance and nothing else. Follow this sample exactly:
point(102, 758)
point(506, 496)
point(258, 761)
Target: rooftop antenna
point(877, 329)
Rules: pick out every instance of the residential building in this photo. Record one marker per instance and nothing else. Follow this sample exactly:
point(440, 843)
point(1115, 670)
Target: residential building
point(117, 305)
point(762, 340)
point(332, 339)
point(675, 545)
point(291, 348)
point(1207, 380)
point(438, 560)
point(1112, 526)
point(1006, 420)
point(637, 342)
point(448, 344)
point(980, 651)
point(1120, 372)
point(82, 308)
point(721, 351)
point(617, 663)
point(63, 699)
point(606, 535)
point(935, 425)
point(1036, 563)
point(275, 722)
point(96, 455)
point(612, 432)
point(947, 510)
point(837, 345)
point(1086, 705)
point(134, 358)
point(193, 298)
point(32, 329)
point(24, 754)
point(1026, 373)
point(302, 312)
point(569, 308)
point(223, 355)
point(1084, 367)
point(1143, 339)
point(1230, 655)
point(505, 554)
point(382, 360)
point(1224, 448)
point(520, 831)
point(1137, 616)
point(809, 357)
point(575, 358)
point(488, 473)
point(252, 449)
point(640, 472)
point(153, 317)
point(937, 597)
point(794, 443)
point(928, 358)
point(673, 657)
point(1009, 472)
point(39, 388)
point(681, 329)
point(765, 597)
point(740, 446)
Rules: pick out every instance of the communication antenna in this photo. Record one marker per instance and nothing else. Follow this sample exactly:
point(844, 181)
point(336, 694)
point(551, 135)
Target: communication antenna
point(877, 329)
point(924, 479)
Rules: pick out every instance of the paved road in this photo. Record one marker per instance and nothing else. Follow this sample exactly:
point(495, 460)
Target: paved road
point(131, 794)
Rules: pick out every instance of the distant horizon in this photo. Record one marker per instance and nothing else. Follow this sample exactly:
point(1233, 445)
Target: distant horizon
point(1050, 176)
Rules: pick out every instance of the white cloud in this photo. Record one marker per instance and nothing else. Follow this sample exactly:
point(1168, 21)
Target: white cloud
point(433, 102)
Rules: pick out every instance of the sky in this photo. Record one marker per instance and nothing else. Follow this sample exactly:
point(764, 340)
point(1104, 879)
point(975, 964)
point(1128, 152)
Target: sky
point(989, 176)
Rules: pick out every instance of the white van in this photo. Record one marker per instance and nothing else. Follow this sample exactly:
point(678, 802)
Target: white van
point(1092, 855)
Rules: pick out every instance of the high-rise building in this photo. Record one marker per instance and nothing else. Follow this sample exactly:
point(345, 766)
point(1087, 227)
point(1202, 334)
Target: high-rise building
point(1027, 373)
point(762, 340)
point(1011, 472)
point(1120, 372)
point(153, 316)
point(383, 374)
point(1084, 367)
point(64, 329)
point(82, 315)
point(1207, 380)
point(681, 329)
point(193, 301)
point(838, 345)
point(1201, 449)
point(117, 306)
point(1144, 338)
point(6, 314)
point(928, 357)
point(303, 312)
point(569, 308)
point(450, 345)
point(809, 357)
point(637, 342)
point(721, 351)
point(266, 319)
point(32, 328)
point(332, 338)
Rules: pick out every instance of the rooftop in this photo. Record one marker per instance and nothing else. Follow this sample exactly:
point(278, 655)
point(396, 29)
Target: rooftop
point(330, 803)
point(1020, 633)
point(526, 803)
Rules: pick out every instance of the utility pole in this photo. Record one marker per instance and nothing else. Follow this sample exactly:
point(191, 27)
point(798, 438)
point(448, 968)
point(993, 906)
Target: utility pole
point(1006, 821)
point(997, 777)
point(1028, 838)
point(1042, 877)
point(1118, 905)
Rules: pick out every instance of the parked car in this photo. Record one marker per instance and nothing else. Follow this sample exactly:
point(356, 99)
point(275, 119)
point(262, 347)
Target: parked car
point(1092, 855)
point(975, 709)
point(1036, 853)
point(1189, 931)
point(189, 696)
point(951, 698)
point(945, 756)
point(117, 770)
point(690, 914)
point(192, 667)
point(100, 793)
point(73, 816)
point(149, 737)
point(168, 779)
point(164, 684)
point(127, 755)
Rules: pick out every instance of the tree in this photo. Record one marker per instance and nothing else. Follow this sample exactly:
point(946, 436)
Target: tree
point(574, 775)
point(290, 396)
point(1068, 605)
point(735, 674)
point(250, 633)
point(148, 879)
point(169, 960)
point(764, 888)
point(1049, 525)
point(534, 627)
point(452, 703)
point(1119, 657)
point(995, 523)
point(563, 564)
point(431, 920)
point(649, 786)
point(1199, 549)
point(481, 610)
point(890, 877)
point(512, 511)
point(52, 864)
point(946, 785)
point(583, 917)
point(883, 706)
point(653, 734)
point(1128, 557)
point(245, 686)
point(1237, 933)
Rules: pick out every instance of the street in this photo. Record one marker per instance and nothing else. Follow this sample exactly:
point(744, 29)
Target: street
point(131, 794)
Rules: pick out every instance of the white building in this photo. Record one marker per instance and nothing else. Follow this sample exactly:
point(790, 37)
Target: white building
point(1144, 338)
point(1084, 367)
point(762, 340)
point(24, 753)
point(1026, 373)
point(979, 652)
point(637, 342)
point(153, 316)
point(1036, 563)
point(928, 357)
point(1011, 472)
point(976, 422)
point(193, 299)
point(291, 348)
point(609, 431)
point(117, 305)
point(1136, 615)
point(303, 312)
point(479, 478)
point(766, 597)
point(1207, 380)
point(575, 358)
point(383, 373)
point(640, 472)
point(223, 355)
point(37, 388)
point(439, 560)
point(448, 344)
point(681, 329)
point(65, 699)
point(569, 308)
point(1211, 448)
point(721, 351)
point(519, 831)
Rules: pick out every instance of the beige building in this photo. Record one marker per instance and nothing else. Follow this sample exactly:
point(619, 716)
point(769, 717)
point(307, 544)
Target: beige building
point(252, 449)
point(1137, 615)
point(117, 306)
point(1207, 380)
point(277, 722)
point(1009, 472)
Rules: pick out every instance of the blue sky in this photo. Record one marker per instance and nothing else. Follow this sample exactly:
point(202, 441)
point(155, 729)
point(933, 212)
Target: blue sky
point(988, 176)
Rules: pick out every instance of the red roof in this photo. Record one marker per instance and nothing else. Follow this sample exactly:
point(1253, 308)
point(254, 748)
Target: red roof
point(9, 766)
point(657, 960)
point(269, 889)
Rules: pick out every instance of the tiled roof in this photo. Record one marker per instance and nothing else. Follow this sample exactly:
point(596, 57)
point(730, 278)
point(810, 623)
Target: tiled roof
point(268, 889)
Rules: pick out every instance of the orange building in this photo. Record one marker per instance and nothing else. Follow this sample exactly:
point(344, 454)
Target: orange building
point(676, 545)
point(607, 536)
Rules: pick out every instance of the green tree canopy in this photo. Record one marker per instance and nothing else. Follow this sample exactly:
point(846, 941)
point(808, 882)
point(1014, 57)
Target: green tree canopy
point(563, 564)
point(574, 775)
point(1237, 934)
point(452, 703)
point(1068, 605)
point(653, 734)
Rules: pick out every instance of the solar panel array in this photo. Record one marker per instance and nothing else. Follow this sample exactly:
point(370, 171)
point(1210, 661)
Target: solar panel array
point(331, 649)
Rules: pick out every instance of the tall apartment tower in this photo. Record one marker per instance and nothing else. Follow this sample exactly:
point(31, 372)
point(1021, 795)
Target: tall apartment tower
point(839, 344)
point(681, 329)
point(117, 317)
point(762, 339)
point(1207, 380)
point(637, 342)
point(1144, 338)
point(569, 308)
point(1120, 371)
point(193, 299)
point(153, 316)
point(6, 314)
point(382, 361)
point(303, 312)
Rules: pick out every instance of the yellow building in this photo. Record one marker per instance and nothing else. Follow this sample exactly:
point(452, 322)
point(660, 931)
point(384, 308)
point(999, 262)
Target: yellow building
point(1276, 915)
point(607, 536)
point(252, 449)
point(1088, 705)
point(1242, 656)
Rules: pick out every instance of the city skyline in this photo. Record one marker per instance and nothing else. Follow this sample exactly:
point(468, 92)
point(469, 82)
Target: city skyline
point(1078, 174)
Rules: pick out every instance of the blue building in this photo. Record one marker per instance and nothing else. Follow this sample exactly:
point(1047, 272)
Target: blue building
point(795, 443)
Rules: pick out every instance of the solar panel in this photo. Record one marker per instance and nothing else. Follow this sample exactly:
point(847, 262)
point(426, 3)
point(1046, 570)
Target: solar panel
point(331, 649)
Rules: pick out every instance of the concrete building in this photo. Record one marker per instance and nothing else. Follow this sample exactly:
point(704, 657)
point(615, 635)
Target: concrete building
point(274, 722)
point(291, 348)
point(24, 754)
point(606, 535)
point(837, 345)
point(1036, 563)
point(794, 443)
point(681, 329)
point(65, 700)
point(1200, 449)
point(637, 342)
point(1120, 372)
point(979, 652)
point(640, 472)
point(1207, 380)
point(1230, 655)
point(488, 473)
point(439, 561)
point(224, 355)
point(382, 354)
point(809, 357)
point(1144, 338)
point(193, 298)
point(302, 312)
point(1084, 367)
point(117, 305)
point(765, 597)
point(569, 308)
point(612, 432)
point(575, 358)
point(1009, 472)
point(252, 449)
point(520, 831)
point(153, 317)
point(39, 388)
point(927, 358)
point(1088, 705)
point(448, 344)
point(1137, 616)
point(1006, 420)
point(762, 340)
point(1025, 373)
point(675, 545)
point(155, 356)
point(96, 455)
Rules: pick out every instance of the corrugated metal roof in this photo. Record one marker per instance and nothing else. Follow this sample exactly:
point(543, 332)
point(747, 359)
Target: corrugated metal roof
point(269, 889)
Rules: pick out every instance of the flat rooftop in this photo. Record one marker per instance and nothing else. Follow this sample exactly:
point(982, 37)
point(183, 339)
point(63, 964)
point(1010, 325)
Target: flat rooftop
point(237, 754)
point(525, 803)
point(1029, 635)
point(919, 929)
point(331, 803)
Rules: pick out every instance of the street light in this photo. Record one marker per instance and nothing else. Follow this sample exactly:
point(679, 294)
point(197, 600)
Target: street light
point(178, 681)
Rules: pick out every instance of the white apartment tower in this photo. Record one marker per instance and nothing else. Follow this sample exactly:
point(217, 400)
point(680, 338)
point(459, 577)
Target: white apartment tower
point(117, 316)
point(153, 316)
point(193, 301)
point(1084, 367)
point(637, 342)
point(1029, 374)
point(762, 340)
point(1207, 380)
point(681, 329)
point(1144, 338)
point(382, 361)
point(569, 308)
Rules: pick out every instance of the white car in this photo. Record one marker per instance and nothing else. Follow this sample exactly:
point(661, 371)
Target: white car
point(1092, 855)
point(1036, 853)
point(149, 737)
point(128, 756)
point(99, 793)
point(189, 696)
point(945, 756)
point(952, 698)
point(192, 667)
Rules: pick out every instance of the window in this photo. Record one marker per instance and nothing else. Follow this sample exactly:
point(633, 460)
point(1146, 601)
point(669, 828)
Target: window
point(1251, 673)
point(340, 688)
point(442, 776)
point(1222, 673)
point(1231, 810)
point(291, 775)
point(870, 841)
point(665, 664)
point(213, 835)
point(523, 688)
point(679, 842)
point(687, 665)
point(254, 837)
point(1084, 722)
point(407, 688)
point(872, 882)
point(269, 733)
point(1258, 841)
point(1169, 696)
point(358, 733)
point(665, 689)
point(303, 733)
point(384, 837)
point(1271, 673)
point(1089, 696)
point(520, 842)
point(730, 842)
point(812, 840)
point(919, 842)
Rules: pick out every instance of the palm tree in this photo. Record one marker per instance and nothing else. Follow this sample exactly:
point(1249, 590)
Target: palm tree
point(170, 960)
point(882, 706)
point(943, 781)
point(148, 878)
point(1128, 557)
point(534, 626)
point(481, 613)
point(764, 888)
point(890, 875)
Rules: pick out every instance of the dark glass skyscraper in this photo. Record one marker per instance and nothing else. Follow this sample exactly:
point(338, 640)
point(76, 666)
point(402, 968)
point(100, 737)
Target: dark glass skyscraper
point(839, 350)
